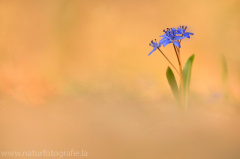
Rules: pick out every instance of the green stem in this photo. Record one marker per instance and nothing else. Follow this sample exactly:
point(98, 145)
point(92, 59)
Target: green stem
point(181, 74)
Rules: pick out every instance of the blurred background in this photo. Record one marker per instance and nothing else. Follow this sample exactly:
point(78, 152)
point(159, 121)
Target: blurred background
point(75, 74)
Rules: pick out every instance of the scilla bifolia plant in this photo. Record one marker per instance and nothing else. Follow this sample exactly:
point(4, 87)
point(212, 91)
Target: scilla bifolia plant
point(175, 37)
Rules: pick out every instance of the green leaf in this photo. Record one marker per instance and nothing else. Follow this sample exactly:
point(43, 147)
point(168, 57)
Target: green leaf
point(186, 78)
point(173, 84)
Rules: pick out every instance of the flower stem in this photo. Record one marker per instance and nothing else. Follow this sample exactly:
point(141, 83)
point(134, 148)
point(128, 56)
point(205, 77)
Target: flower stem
point(169, 61)
point(181, 74)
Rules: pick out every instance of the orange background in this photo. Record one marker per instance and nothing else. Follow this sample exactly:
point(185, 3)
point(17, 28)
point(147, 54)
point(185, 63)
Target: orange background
point(75, 74)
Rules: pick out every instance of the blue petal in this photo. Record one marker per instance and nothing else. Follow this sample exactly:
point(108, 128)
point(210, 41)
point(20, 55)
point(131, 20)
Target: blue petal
point(178, 37)
point(154, 49)
point(159, 45)
point(176, 43)
point(155, 44)
point(166, 42)
point(164, 35)
point(187, 34)
point(162, 40)
point(179, 30)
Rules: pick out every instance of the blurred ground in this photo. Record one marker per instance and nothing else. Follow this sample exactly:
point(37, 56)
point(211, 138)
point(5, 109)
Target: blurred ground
point(76, 75)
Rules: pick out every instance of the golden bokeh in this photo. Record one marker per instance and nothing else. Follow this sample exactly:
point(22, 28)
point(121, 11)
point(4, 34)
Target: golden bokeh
point(75, 74)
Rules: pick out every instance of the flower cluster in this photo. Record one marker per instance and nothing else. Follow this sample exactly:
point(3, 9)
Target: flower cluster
point(171, 36)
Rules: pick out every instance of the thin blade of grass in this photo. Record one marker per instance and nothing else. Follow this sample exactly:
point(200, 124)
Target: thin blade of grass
point(224, 76)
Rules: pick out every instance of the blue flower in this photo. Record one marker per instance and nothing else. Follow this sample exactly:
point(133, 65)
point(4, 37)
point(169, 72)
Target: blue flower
point(155, 45)
point(170, 37)
point(182, 30)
